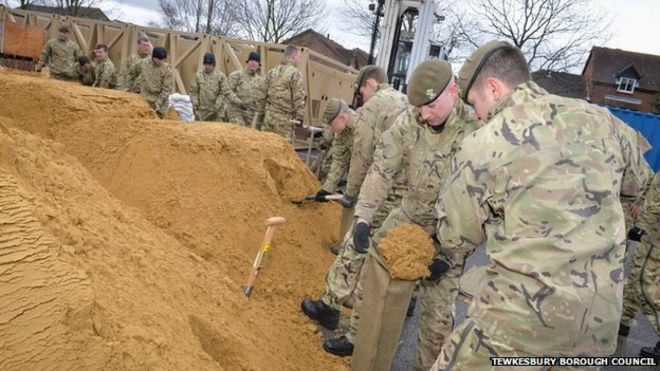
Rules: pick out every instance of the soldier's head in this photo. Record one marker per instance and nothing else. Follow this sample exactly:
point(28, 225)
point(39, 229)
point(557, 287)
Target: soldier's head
point(83, 62)
point(292, 53)
point(158, 55)
point(368, 79)
point(490, 73)
point(143, 46)
point(101, 52)
point(336, 115)
point(63, 33)
point(433, 91)
point(209, 62)
point(254, 61)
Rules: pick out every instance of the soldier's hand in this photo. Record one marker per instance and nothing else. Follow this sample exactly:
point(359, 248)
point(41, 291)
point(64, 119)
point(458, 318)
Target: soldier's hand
point(636, 233)
point(361, 237)
point(320, 196)
point(347, 201)
point(438, 268)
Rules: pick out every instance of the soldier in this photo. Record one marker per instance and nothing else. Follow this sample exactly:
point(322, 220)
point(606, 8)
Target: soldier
point(420, 144)
point(206, 92)
point(642, 289)
point(241, 89)
point(539, 185)
point(83, 71)
point(381, 108)
point(105, 75)
point(143, 52)
point(282, 97)
point(154, 80)
point(60, 55)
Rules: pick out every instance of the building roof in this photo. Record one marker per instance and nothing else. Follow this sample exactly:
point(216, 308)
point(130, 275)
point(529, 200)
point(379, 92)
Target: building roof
point(330, 48)
point(560, 83)
point(608, 63)
point(83, 12)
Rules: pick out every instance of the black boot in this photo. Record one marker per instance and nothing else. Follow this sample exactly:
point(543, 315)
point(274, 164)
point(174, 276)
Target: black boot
point(319, 311)
point(651, 352)
point(411, 307)
point(340, 346)
point(624, 330)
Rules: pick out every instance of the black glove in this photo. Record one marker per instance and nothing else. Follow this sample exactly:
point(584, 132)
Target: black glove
point(320, 196)
point(347, 201)
point(438, 268)
point(636, 233)
point(361, 237)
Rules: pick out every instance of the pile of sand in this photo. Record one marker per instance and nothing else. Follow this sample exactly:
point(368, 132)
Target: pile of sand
point(126, 241)
point(407, 251)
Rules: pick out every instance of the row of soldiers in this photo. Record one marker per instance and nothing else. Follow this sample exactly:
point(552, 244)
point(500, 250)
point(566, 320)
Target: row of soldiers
point(489, 158)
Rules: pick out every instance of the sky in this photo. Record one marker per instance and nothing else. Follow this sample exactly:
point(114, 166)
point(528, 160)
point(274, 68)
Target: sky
point(634, 27)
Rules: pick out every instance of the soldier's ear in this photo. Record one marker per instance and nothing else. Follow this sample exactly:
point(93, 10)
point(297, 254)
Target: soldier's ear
point(495, 88)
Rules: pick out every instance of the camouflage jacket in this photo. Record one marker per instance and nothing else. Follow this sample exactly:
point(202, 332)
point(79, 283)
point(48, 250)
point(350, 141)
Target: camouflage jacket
point(341, 154)
point(206, 91)
point(85, 77)
point(423, 154)
point(156, 83)
point(105, 75)
point(649, 219)
point(374, 117)
point(283, 91)
point(123, 79)
point(60, 57)
point(540, 185)
point(241, 89)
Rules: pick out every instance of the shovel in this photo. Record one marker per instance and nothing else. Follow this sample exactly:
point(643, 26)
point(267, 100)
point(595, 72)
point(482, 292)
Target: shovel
point(310, 198)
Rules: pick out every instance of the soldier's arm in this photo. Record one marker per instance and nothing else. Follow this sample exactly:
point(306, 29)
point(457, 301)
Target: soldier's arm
point(387, 162)
point(132, 84)
point(649, 219)
point(230, 89)
point(261, 94)
point(107, 77)
point(162, 102)
point(637, 173)
point(298, 95)
point(194, 92)
point(363, 149)
point(341, 158)
point(221, 99)
point(44, 57)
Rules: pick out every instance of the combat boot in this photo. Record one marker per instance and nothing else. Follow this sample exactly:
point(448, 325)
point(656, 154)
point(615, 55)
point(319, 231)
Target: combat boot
point(340, 346)
point(317, 310)
point(651, 352)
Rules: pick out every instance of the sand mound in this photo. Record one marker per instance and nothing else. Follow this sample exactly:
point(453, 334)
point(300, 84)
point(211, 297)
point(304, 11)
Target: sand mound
point(407, 251)
point(160, 225)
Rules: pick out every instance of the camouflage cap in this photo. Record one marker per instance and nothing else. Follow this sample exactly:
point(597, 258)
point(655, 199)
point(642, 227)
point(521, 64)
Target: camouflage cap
point(332, 109)
point(475, 62)
point(428, 81)
point(360, 76)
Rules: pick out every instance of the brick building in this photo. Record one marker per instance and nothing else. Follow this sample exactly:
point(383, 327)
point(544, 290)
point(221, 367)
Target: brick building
point(355, 58)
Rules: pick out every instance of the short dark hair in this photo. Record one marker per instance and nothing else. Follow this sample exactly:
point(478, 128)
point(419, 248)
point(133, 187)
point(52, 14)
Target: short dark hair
point(142, 39)
point(83, 60)
point(64, 28)
point(376, 73)
point(507, 64)
point(290, 50)
point(101, 46)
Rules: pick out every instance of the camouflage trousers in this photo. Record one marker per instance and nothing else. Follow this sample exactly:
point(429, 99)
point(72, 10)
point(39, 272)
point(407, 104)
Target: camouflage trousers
point(240, 116)
point(206, 115)
point(436, 319)
point(279, 123)
point(642, 289)
point(468, 348)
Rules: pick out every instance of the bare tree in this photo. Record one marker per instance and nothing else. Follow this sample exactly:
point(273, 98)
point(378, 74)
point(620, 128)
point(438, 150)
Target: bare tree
point(357, 17)
point(74, 7)
point(553, 34)
point(201, 16)
point(275, 20)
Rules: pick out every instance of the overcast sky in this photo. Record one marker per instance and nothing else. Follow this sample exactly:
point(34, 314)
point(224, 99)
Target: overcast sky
point(634, 27)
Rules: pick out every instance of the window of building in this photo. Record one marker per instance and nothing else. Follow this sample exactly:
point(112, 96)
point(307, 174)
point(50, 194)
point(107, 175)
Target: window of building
point(627, 85)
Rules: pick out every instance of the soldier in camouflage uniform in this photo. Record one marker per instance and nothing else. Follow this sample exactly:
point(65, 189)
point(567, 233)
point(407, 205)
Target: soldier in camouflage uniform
point(83, 71)
point(420, 145)
point(154, 79)
point(207, 90)
point(105, 75)
point(143, 52)
point(241, 89)
point(539, 184)
point(381, 108)
point(60, 55)
point(282, 96)
point(325, 158)
point(642, 289)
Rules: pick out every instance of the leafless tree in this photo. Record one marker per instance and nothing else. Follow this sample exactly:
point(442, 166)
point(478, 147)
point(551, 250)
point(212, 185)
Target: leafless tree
point(553, 34)
point(74, 7)
point(275, 20)
point(357, 17)
point(203, 16)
